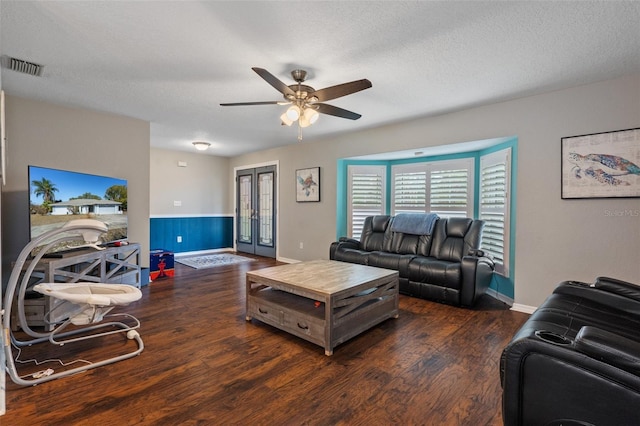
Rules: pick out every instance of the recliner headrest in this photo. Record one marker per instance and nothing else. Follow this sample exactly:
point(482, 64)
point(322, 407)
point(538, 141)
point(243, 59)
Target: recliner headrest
point(458, 226)
point(379, 223)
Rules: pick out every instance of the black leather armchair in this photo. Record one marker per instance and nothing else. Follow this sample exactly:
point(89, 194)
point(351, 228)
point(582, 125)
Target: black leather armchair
point(446, 265)
point(576, 361)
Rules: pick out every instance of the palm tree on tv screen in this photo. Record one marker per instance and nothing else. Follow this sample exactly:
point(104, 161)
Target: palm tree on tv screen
point(46, 189)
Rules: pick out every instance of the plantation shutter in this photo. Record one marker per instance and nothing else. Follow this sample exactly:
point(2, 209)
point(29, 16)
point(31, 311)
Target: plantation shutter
point(494, 201)
point(366, 195)
point(409, 189)
point(442, 187)
point(450, 192)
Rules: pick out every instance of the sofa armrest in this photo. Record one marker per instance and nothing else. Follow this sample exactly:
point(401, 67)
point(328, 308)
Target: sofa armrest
point(482, 256)
point(341, 244)
point(350, 241)
point(610, 348)
point(477, 273)
point(349, 244)
point(613, 294)
point(622, 288)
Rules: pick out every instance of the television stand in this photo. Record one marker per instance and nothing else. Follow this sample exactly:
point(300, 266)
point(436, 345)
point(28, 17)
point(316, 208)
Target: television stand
point(116, 265)
point(62, 253)
point(113, 265)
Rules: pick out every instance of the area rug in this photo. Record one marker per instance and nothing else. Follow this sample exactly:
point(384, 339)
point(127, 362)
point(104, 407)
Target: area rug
point(212, 260)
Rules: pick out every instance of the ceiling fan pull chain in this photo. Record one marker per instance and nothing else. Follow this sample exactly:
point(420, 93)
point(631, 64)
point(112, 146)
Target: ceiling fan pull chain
point(299, 133)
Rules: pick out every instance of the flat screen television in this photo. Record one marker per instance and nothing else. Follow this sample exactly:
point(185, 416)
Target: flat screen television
point(59, 196)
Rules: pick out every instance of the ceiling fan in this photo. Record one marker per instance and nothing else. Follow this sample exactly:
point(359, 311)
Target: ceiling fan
point(306, 102)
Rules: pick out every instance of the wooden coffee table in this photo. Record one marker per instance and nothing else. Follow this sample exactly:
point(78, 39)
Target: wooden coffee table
point(323, 301)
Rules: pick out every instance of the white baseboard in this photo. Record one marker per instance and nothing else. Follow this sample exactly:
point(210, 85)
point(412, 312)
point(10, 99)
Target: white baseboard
point(501, 297)
point(203, 252)
point(523, 308)
point(286, 260)
point(509, 301)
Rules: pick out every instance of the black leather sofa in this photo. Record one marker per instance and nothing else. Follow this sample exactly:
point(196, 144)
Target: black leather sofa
point(576, 361)
point(443, 263)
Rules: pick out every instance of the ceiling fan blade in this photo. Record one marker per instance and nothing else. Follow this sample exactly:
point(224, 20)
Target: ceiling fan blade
point(337, 112)
point(273, 80)
point(252, 103)
point(340, 90)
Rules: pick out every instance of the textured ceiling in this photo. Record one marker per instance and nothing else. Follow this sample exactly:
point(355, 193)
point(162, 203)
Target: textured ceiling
point(173, 62)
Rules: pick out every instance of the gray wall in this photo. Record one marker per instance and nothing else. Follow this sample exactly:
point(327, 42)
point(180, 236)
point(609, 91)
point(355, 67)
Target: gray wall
point(85, 141)
point(555, 239)
point(202, 186)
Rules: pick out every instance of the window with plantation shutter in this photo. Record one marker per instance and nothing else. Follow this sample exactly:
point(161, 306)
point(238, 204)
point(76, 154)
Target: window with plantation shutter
point(451, 188)
point(494, 207)
point(366, 195)
point(409, 189)
point(442, 187)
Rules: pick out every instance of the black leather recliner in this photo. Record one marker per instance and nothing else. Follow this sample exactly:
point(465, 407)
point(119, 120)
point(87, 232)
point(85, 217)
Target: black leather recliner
point(445, 265)
point(576, 361)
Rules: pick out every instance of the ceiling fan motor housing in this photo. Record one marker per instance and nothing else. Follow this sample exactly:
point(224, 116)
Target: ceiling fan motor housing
point(299, 75)
point(301, 92)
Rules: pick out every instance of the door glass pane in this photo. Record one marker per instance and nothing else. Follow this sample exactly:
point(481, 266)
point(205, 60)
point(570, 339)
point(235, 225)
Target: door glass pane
point(244, 209)
point(265, 207)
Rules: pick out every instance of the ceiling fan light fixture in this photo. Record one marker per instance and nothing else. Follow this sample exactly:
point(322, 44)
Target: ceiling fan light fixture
point(201, 146)
point(293, 113)
point(311, 115)
point(285, 119)
point(303, 122)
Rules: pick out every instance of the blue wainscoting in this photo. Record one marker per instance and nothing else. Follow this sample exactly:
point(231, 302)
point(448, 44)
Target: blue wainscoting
point(198, 233)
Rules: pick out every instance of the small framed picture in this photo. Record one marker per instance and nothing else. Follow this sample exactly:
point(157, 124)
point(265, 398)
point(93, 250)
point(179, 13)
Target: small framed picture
point(308, 185)
point(601, 165)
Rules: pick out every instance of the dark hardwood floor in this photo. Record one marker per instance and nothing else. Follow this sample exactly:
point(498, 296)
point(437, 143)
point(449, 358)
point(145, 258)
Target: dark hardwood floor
point(204, 364)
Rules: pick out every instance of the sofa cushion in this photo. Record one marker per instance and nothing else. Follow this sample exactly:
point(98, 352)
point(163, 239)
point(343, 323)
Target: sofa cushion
point(403, 243)
point(454, 237)
point(398, 262)
point(373, 232)
point(435, 271)
point(379, 223)
point(424, 245)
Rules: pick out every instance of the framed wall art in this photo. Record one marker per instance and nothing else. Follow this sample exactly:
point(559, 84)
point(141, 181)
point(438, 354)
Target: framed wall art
point(308, 185)
point(601, 165)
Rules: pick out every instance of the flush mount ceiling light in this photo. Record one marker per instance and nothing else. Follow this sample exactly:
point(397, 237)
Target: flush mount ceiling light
point(201, 146)
point(307, 102)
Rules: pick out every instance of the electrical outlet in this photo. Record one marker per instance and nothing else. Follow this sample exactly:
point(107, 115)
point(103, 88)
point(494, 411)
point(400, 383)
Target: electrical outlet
point(301, 245)
point(179, 238)
point(177, 203)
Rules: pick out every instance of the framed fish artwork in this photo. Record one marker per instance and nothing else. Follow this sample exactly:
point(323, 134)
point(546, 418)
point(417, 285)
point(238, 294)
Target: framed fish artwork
point(601, 165)
point(308, 185)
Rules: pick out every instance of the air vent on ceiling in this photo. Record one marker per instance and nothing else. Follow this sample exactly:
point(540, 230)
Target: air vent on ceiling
point(22, 66)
